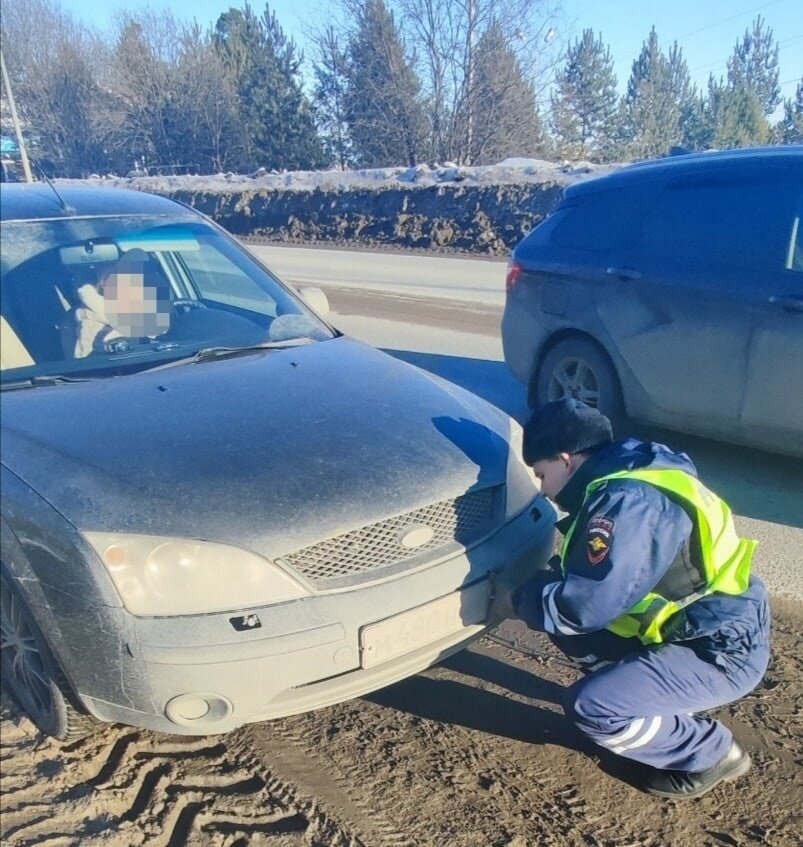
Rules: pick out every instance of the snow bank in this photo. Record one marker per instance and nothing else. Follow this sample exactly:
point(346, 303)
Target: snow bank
point(483, 209)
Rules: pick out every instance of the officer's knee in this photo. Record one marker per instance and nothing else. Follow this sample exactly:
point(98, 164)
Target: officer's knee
point(574, 702)
point(584, 704)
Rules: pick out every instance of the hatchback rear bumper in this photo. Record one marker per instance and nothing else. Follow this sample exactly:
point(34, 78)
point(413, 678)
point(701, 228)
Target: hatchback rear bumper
point(523, 335)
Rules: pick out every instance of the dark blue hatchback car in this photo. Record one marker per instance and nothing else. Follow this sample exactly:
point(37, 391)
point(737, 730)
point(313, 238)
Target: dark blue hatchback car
point(671, 291)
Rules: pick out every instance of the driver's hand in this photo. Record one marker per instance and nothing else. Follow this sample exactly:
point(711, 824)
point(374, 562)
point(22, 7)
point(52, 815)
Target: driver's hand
point(118, 345)
point(124, 345)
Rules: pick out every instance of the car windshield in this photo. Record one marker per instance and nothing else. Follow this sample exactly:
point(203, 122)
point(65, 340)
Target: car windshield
point(96, 297)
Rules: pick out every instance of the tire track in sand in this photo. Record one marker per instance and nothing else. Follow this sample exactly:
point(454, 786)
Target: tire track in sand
point(283, 747)
point(124, 788)
point(388, 800)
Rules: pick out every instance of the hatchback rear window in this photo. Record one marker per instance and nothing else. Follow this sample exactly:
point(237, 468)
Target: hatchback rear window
point(598, 221)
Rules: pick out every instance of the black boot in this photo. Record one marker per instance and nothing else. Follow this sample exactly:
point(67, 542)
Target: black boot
point(680, 785)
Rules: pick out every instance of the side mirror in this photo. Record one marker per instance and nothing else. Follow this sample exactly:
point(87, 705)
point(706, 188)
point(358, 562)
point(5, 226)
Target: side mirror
point(316, 299)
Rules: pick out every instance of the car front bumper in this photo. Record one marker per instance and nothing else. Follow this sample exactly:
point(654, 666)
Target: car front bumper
point(199, 675)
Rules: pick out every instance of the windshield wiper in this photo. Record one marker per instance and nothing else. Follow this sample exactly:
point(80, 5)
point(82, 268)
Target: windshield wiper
point(210, 354)
point(207, 354)
point(41, 379)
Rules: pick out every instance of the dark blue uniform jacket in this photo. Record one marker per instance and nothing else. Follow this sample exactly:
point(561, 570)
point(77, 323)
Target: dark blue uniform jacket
point(627, 536)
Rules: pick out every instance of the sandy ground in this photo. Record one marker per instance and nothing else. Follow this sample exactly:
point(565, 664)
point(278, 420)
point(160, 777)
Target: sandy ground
point(473, 753)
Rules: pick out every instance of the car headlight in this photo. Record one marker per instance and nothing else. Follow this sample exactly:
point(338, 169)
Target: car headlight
point(157, 576)
point(520, 486)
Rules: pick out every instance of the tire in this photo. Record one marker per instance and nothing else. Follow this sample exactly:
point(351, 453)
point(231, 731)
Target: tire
point(31, 675)
point(576, 367)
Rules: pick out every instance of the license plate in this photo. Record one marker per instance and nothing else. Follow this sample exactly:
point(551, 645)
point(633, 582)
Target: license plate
point(406, 632)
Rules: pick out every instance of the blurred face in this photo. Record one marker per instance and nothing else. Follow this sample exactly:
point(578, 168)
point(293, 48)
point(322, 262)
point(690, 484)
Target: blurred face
point(132, 305)
point(553, 474)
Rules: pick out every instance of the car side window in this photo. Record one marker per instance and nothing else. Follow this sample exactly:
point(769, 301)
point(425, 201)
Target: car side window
point(728, 224)
point(219, 280)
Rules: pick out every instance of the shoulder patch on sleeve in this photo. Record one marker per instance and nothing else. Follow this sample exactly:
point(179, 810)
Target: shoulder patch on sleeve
point(599, 537)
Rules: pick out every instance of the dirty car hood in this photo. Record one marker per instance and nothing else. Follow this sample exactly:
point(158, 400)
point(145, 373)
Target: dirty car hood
point(270, 451)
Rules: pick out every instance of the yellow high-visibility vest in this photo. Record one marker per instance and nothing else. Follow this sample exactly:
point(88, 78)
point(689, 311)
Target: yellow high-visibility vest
point(726, 558)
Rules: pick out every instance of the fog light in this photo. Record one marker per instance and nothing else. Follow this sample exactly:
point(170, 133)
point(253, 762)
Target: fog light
point(198, 709)
point(192, 708)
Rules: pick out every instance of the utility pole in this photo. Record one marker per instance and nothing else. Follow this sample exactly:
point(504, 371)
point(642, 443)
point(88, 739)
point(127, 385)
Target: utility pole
point(17, 131)
point(471, 68)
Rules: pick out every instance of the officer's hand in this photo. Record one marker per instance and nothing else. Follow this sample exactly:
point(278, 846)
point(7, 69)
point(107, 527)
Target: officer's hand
point(501, 605)
point(554, 566)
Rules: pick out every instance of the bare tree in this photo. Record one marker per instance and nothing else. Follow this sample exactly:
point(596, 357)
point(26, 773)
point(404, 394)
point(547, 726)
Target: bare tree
point(446, 35)
point(174, 100)
point(443, 38)
point(55, 70)
point(207, 102)
point(142, 81)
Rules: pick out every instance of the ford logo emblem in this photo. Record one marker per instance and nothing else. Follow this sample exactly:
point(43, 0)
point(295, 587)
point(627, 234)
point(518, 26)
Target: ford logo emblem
point(416, 536)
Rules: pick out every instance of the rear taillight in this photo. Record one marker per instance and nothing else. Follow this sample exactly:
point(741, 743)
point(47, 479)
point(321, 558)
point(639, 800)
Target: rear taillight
point(514, 273)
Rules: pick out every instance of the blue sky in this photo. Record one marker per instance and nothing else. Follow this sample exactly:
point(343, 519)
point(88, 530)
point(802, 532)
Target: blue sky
point(706, 31)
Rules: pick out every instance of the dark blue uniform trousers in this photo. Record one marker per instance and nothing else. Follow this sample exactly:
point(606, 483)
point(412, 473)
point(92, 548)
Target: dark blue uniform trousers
point(645, 706)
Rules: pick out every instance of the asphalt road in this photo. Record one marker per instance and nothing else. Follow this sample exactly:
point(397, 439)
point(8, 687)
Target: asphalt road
point(443, 314)
point(472, 280)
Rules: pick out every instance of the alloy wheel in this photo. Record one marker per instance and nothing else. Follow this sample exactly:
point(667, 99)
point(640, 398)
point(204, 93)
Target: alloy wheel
point(574, 378)
point(23, 667)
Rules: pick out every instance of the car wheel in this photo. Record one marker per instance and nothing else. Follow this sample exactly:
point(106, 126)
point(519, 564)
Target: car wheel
point(578, 369)
point(31, 674)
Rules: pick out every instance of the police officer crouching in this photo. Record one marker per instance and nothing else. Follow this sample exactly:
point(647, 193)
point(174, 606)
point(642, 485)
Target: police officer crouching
point(653, 596)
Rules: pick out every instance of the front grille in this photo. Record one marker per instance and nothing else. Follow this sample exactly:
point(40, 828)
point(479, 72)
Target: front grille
point(455, 523)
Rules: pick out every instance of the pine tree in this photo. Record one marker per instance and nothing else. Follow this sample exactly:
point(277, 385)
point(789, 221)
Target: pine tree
point(697, 121)
point(331, 80)
point(651, 105)
point(585, 103)
point(238, 40)
point(382, 107)
point(690, 112)
point(790, 128)
point(740, 120)
point(754, 64)
point(278, 123)
point(446, 35)
point(292, 133)
point(506, 121)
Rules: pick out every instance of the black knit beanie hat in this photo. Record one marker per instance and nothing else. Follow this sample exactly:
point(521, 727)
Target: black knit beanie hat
point(564, 426)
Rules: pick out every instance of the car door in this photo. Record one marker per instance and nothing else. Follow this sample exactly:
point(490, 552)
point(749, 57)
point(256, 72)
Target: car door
point(773, 403)
point(683, 313)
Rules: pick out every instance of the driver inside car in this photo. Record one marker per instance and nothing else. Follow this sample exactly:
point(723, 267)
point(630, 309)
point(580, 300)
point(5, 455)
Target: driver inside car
point(131, 299)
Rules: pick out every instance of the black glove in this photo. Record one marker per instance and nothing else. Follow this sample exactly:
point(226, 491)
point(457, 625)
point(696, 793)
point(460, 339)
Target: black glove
point(553, 565)
point(500, 607)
